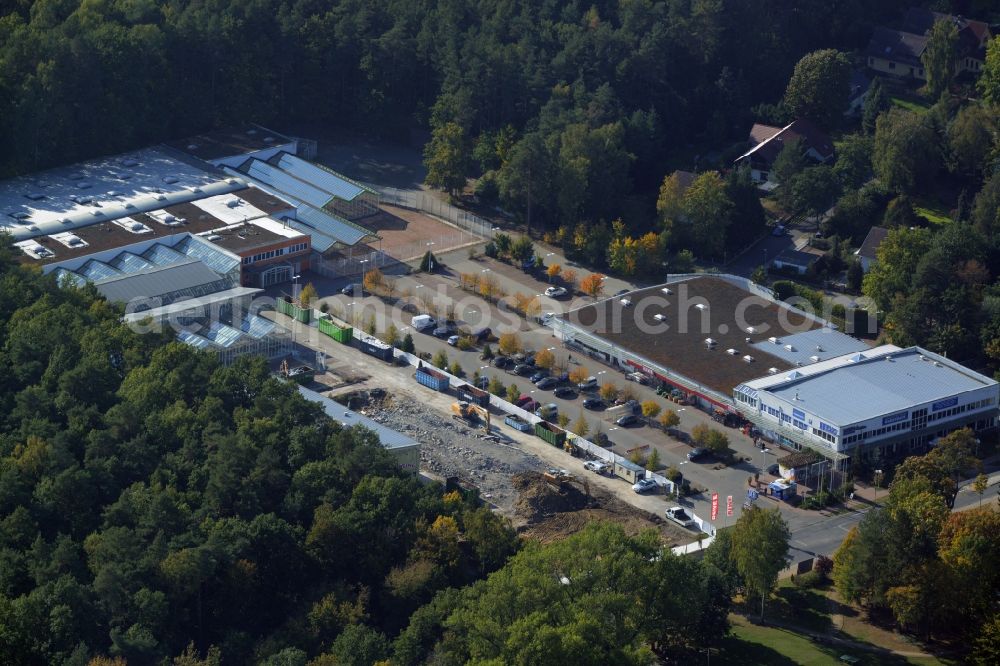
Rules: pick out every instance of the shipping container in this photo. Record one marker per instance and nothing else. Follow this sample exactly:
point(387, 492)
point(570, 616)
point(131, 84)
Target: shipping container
point(470, 393)
point(554, 435)
point(629, 471)
point(339, 332)
point(286, 306)
point(374, 347)
point(517, 423)
point(432, 379)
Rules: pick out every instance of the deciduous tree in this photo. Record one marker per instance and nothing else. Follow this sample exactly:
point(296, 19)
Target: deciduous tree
point(940, 56)
point(819, 87)
point(447, 158)
point(760, 541)
point(905, 152)
point(592, 285)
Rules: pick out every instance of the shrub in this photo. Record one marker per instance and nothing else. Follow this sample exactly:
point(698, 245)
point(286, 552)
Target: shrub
point(456, 369)
point(487, 353)
point(440, 360)
point(809, 579)
point(324, 307)
point(407, 344)
point(490, 250)
point(823, 565)
point(464, 343)
point(672, 473)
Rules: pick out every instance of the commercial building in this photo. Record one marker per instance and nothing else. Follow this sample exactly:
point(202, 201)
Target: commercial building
point(890, 400)
point(702, 335)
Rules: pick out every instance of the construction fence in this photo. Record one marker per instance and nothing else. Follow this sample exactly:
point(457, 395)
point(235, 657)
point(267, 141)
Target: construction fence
point(428, 203)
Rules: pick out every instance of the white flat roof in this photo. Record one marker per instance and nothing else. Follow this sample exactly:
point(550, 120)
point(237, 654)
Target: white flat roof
point(229, 208)
point(864, 385)
point(103, 189)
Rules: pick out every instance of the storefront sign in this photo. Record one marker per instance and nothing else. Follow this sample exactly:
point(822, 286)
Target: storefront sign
point(715, 506)
point(729, 505)
point(828, 428)
point(895, 418)
point(944, 404)
point(798, 414)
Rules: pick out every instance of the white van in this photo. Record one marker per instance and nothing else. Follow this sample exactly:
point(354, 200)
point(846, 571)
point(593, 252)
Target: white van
point(423, 322)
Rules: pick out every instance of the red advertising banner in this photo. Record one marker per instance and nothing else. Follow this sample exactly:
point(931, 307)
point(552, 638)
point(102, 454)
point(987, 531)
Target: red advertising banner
point(729, 505)
point(715, 505)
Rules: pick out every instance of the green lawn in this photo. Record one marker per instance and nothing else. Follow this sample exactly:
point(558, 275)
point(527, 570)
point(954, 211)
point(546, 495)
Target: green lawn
point(933, 213)
point(752, 644)
point(911, 105)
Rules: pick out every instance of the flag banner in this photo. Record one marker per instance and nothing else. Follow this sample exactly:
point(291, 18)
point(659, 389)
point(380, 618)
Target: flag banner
point(715, 506)
point(729, 505)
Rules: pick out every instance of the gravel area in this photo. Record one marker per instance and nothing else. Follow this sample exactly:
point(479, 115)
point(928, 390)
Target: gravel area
point(452, 448)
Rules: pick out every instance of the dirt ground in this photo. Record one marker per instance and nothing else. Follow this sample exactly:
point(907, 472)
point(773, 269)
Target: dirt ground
point(407, 234)
point(546, 513)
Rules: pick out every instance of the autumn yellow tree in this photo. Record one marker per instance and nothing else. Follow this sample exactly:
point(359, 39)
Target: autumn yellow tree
point(669, 419)
point(569, 278)
point(609, 391)
point(545, 359)
point(509, 343)
point(307, 295)
point(578, 375)
point(592, 285)
point(553, 271)
point(373, 280)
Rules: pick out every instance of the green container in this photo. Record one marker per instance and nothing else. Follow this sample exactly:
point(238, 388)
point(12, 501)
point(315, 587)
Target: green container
point(552, 434)
point(342, 334)
point(286, 307)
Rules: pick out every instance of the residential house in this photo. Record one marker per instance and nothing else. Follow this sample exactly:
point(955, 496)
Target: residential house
point(797, 260)
point(866, 253)
point(860, 84)
point(766, 142)
point(897, 52)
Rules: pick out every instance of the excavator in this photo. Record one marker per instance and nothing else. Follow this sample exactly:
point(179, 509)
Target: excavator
point(466, 411)
point(558, 479)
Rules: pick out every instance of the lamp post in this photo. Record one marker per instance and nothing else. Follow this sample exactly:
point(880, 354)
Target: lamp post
point(764, 466)
point(295, 287)
point(878, 480)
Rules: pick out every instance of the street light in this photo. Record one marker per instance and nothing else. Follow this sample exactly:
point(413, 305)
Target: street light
point(295, 287)
point(878, 480)
point(764, 467)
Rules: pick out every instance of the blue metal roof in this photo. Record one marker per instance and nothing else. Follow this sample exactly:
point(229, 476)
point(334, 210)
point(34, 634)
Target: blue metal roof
point(196, 341)
point(320, 241)
point(126, 262)
point(222, 335)
point(285, 183)
point(325, 179)
point(95, 270)
point(884, 384)
point(331, 225)
point(162, 255)
point(257, 327)
point(825, 343)
point(218, 261)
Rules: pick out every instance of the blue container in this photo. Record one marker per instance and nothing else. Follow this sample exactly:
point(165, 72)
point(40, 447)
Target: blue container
point(432, 379)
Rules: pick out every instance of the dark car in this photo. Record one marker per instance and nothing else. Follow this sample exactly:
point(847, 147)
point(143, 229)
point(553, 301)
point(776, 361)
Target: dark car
point(565, 392)
point(483, 382)
point(546, 383)
point(620, 292)
point(698, 453)
point(524, 370)
point(530, 406)
point(442, 332)
point(503, 362)
point(594, 403)
point(353, 290)
point(627, 420)
point(633, 406)
point(538, 376)
point(772, 469)
point(482, 334)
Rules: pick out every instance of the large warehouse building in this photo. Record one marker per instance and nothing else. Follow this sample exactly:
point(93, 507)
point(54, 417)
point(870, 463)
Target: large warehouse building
point(725, 343)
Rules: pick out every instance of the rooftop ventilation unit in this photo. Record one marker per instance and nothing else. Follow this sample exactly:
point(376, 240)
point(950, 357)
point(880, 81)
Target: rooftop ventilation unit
point(772, 371)
point(213, 237)
point(196, 190)
point(790, 348)
point(818, 348)
point(937, 364)
point(710, 342)
point(129, 204)
point(701, 306)
point(192, 146)
point(732, 352)
point(161, 197)
point(888, 357)
point(114, 193)
point(794, 374)
point(124, 176)
point(747, 340)
point(625, 302)
point(751, 330)
point(170, 180)
point(659, 317)
point(774, 341)
point(667, 290)
point(251, 131)
point(748, 358)
point(76, 176)
point(231, 181)
point(97, 213)
point(130, 162)
point(268, 139)
point(814, 359)
point(83, 185)
point(66, 220)
point(20, 215)
point(34, 196)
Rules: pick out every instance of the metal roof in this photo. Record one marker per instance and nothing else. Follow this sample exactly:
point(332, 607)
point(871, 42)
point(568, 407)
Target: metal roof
point(325, 179)
point(331, 225)
point(95, 270)
point(824, 343)
point(195, 307)
point(126, 262)
point(391, 439)
point(320, 241)
point(285, 183)
point(164, 280)
point(162, 255)
point(857, 387)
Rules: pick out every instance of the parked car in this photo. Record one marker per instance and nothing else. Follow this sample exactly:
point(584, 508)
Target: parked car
point(644, 485)
point(632, 406)
point(442, 332)
point(538, 376)
point(620, 292)
point(546, 383)
point(565, 392)
point(524, 370)
point(523, 400)
point(503, 362)
point(482, 334)
point(588, 384)
point(594, 403)
point(772, 469)
point(637, 377)
point(423, 323)
point(531, 405)
point(453, 340)
point(556, 292)
point(353, 290)
point(627, 420)
point(545, 318)
point(698, 452)
point(597, 466)
point(548, 411)
point(680, 516)
point(482, 382)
